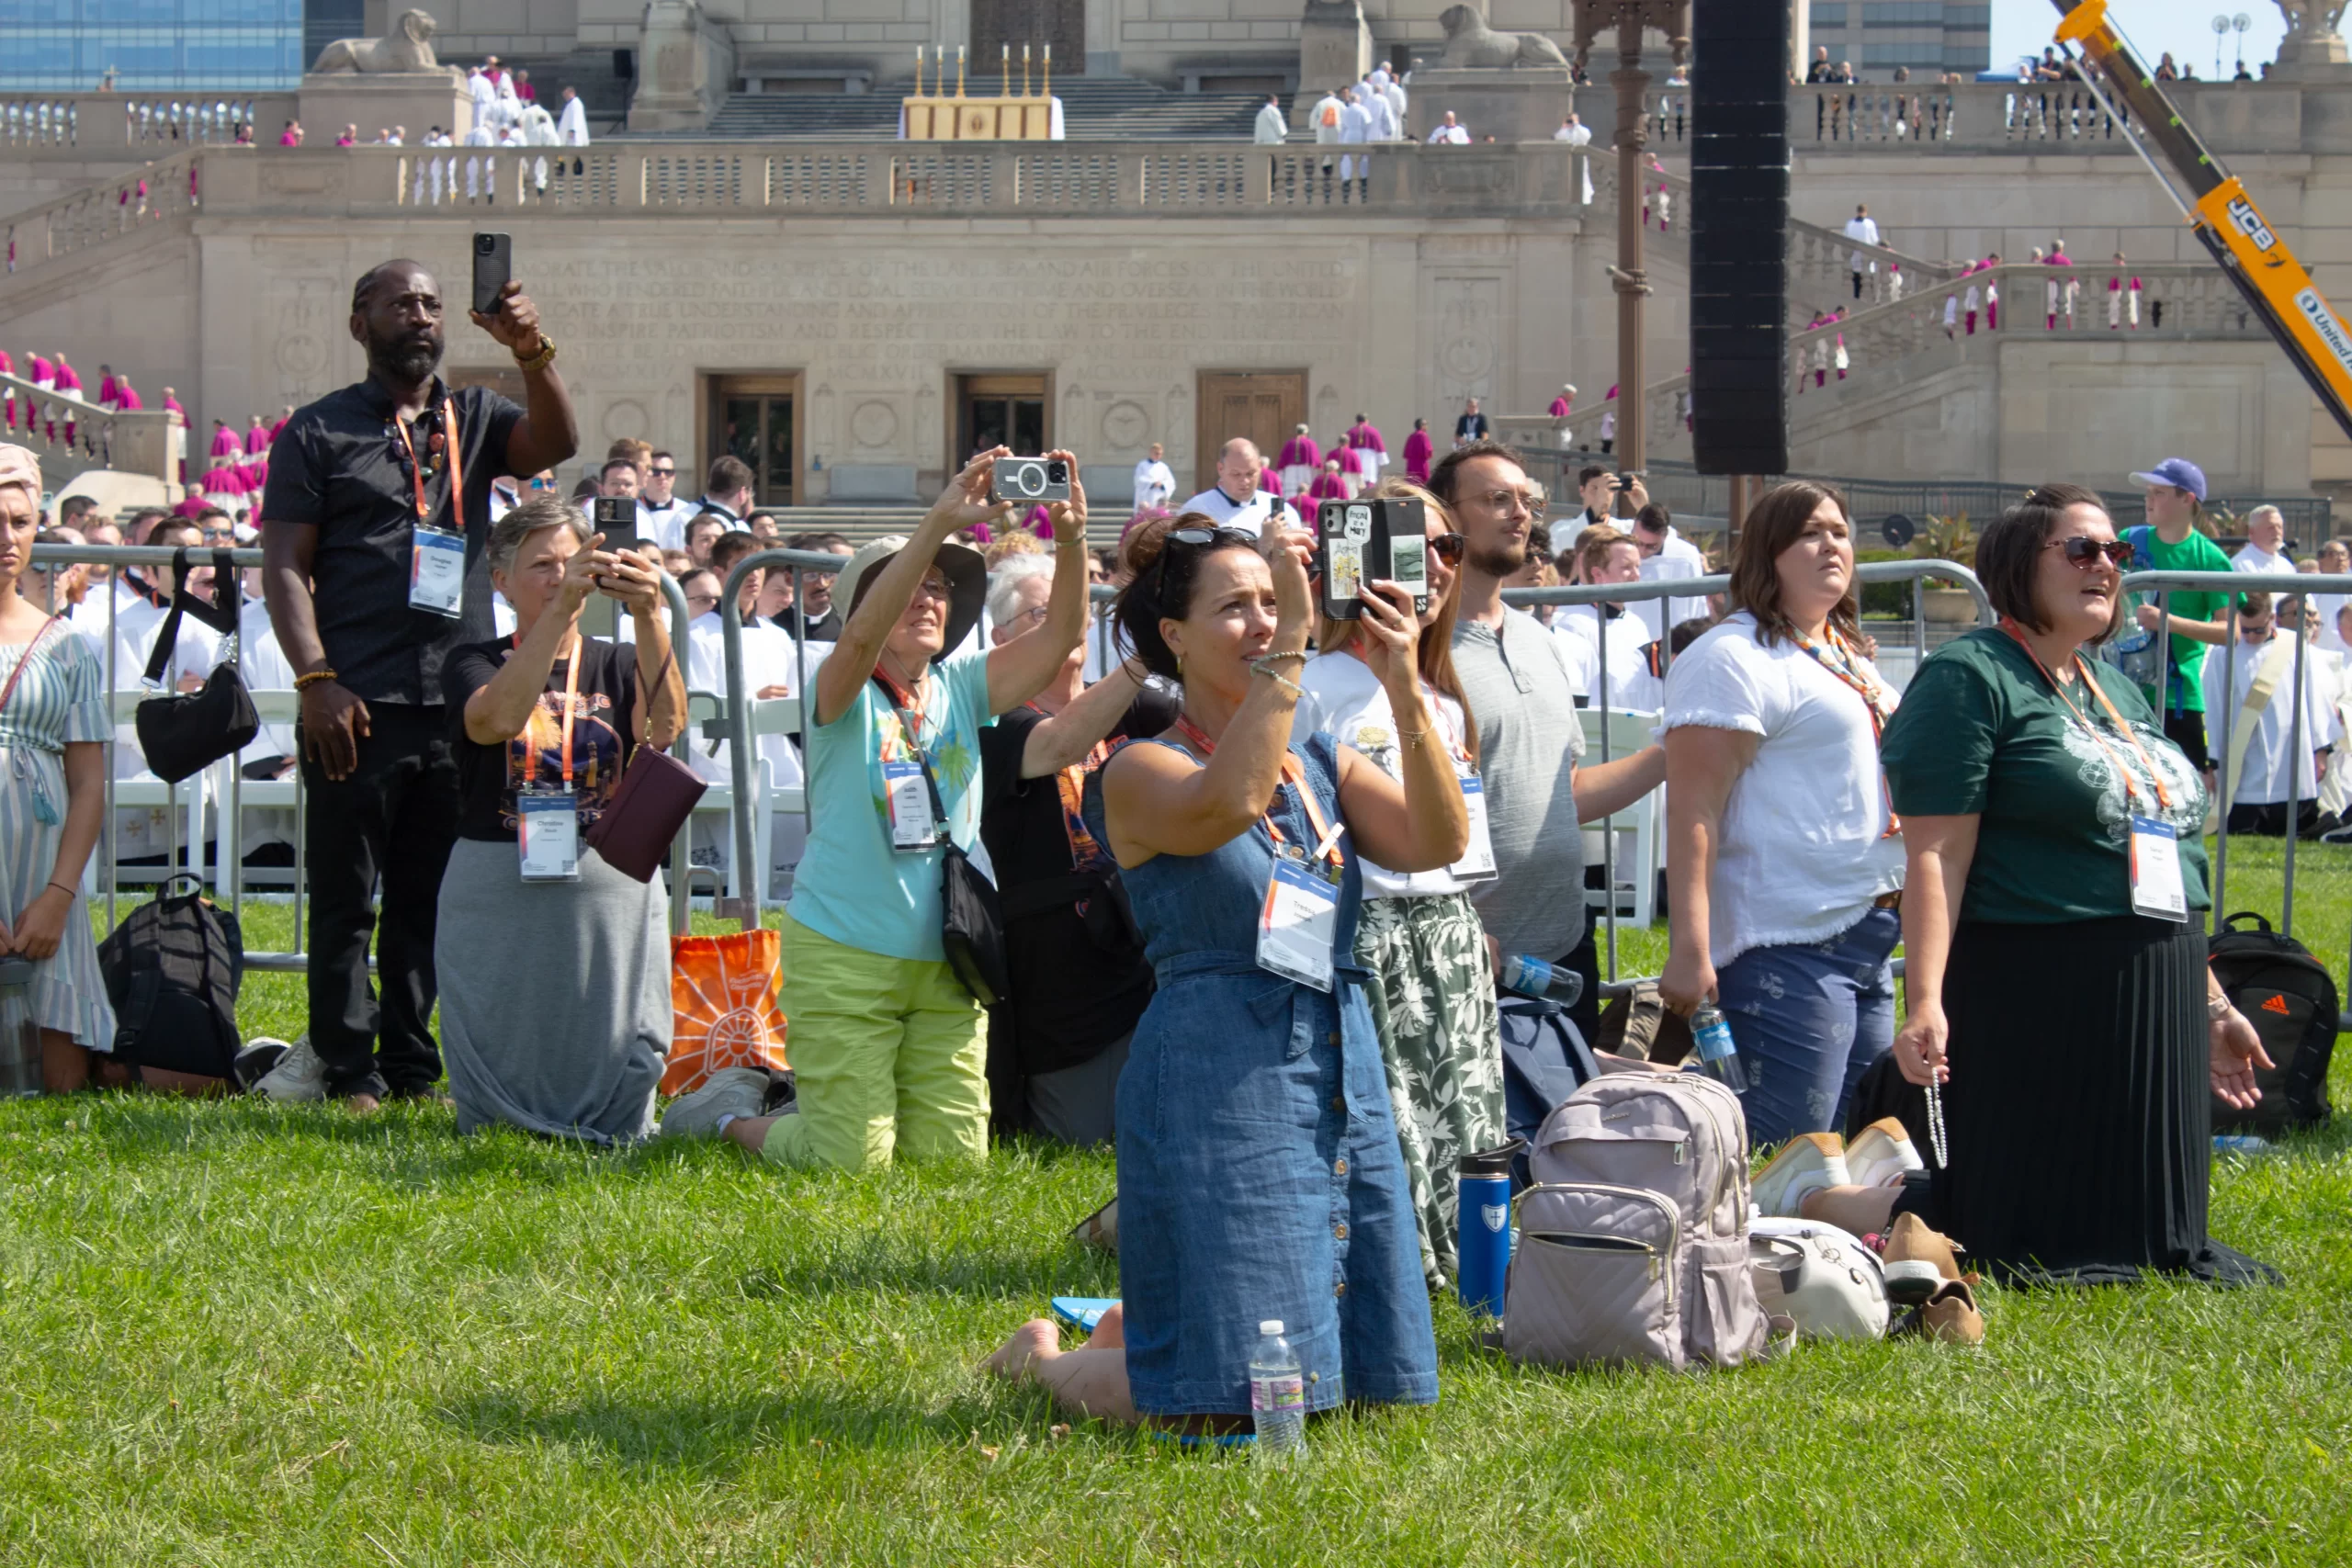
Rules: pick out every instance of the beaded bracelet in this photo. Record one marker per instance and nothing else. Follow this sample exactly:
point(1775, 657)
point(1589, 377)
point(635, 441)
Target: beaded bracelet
point(312, 679)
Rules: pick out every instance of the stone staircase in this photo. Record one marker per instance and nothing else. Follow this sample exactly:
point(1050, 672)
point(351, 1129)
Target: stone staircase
point(1094, 108)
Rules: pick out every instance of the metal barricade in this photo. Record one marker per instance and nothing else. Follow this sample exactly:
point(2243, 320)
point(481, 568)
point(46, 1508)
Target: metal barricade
point(2231, 584)
point(229, 869)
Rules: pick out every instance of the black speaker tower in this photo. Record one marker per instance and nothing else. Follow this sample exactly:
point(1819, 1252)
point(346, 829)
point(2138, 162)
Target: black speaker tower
point(1739, 232)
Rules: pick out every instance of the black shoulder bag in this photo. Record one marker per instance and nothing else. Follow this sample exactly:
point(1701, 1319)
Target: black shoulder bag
point(184, 735)
point(971, 922)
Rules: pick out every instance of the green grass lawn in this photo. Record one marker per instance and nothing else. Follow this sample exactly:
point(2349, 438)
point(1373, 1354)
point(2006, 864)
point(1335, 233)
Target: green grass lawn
point(239, 1333)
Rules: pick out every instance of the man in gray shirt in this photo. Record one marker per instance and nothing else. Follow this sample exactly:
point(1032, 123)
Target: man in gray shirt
point(1530, 738)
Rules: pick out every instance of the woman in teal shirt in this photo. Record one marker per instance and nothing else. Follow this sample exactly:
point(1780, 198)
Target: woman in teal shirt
point(889, 1048)
point(2076, 1032)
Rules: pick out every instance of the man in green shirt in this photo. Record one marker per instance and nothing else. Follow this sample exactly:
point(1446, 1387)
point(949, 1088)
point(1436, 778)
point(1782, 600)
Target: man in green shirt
point(2170, 542)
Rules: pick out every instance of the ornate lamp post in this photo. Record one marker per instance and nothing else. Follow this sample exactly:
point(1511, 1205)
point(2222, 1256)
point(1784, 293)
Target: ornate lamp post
point(1629, 19)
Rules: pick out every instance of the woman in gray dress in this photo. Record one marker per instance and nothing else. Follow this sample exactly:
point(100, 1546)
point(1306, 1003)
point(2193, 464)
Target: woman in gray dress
point(554, 968)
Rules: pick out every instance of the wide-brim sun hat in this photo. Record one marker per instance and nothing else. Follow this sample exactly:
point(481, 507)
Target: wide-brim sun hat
point(968, 583)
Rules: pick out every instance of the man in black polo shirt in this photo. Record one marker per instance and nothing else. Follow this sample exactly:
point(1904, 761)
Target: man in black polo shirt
point(373, 528)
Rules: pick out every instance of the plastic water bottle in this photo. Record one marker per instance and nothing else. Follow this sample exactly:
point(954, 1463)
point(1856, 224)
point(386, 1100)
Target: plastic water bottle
point(1277, 1393)
point(1526, 977)
point(19, 1029)
point(2242, 1144)
point(1717, 1055)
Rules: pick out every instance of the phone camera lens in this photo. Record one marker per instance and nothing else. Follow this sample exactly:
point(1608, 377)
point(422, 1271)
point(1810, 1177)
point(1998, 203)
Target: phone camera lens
point(1058, 473)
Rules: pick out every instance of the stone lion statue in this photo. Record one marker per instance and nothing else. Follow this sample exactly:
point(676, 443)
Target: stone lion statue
point(1470, 42)
point(408, 47)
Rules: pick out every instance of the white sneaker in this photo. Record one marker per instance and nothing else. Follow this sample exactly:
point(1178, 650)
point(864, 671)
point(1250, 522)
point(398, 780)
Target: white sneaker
point(730, 1091)
point(1881, 1153)
point(300, 1076)
point(1810, 1162)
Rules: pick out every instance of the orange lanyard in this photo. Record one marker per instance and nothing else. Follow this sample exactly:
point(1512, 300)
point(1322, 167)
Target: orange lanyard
point(2130, 785)
point(1843, 667)
point(1294, 775)
point(456, 473)
point(570, 689)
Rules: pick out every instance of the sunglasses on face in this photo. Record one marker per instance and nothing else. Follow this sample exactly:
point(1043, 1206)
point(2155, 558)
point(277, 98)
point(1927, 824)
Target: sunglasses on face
point(664, 473)
point(2083, 550)
point(1448, 548)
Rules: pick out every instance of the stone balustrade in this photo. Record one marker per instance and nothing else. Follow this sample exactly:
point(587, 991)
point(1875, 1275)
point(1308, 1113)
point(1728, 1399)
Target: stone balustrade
point(70, 435)
point(105, 213)
point(2177, 301)
point(138, 125)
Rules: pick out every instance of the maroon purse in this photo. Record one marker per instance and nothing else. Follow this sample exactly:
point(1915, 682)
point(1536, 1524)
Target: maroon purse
point(656, 795)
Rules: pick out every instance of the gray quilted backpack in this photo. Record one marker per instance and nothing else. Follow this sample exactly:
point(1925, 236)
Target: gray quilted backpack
point(1633, 1240)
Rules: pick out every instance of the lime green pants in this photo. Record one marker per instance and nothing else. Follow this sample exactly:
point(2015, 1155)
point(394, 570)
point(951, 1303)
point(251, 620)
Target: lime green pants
point(888, 1055)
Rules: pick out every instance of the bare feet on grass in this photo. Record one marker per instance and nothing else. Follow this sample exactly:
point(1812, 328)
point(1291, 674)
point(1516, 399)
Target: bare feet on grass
point(1035, 1342)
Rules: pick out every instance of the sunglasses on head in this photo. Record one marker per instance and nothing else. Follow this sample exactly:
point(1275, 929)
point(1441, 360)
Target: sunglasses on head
point(2082, 549)
point(1194, 538)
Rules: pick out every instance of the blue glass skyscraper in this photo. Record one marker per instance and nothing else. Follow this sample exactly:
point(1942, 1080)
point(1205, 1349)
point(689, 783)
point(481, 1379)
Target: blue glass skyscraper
point(151, 45)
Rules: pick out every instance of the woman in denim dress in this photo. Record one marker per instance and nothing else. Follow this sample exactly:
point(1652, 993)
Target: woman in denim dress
point(1259, 1172)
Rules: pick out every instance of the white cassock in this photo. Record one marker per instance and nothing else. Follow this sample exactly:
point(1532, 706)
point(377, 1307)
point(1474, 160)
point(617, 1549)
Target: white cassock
point(480, 172)
point(1630, 684)
point(146, 831)
point(1249, 516)
point(484, 94)
point(538, 129)
point(1863, 231)
point(1355, 126)
point(572, 124)
point(1385, 126)
point(2263, 780)
point(1677, 560)
point(265, 667)
point(1580, 137)
point(1326, 116)
point(1271, 129)
point(1155, 482)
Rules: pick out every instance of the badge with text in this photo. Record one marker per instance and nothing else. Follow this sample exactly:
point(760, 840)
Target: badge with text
point(912, 827)
point(437, 572)
point(1299, 924)
point(1477, 862)
point(2156, 888)
point(549, 835)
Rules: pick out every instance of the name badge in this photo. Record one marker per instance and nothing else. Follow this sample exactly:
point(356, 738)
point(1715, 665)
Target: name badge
point(1299, 924)
point(437, 572)
point(2156, 888)
point(1477, 862)
point(549, 835)
point(912, 827)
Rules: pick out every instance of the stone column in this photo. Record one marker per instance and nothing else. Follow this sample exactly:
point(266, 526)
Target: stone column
point(1334, 45)
point(685, 68)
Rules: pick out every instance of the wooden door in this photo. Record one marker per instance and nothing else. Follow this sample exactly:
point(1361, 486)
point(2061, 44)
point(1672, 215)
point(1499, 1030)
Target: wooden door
point(996, 23)
point(1013, 409)
point(1264, 405)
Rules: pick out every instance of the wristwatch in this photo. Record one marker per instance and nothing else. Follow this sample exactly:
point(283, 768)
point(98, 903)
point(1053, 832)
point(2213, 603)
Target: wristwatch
point(541, 360)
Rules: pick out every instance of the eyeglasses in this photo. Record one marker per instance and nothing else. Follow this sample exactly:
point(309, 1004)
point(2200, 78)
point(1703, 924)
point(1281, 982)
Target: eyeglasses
point(1531, 501)
point(663, 473)
point(1035, 616)
point(702, 598)
point(2082, 549)
point(1448, 548)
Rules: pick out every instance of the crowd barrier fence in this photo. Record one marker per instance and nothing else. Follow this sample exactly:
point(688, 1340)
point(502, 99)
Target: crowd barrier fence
point(733, 715)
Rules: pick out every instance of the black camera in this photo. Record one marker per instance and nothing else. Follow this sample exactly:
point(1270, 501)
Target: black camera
point(1369, 541)
point(1029, 480)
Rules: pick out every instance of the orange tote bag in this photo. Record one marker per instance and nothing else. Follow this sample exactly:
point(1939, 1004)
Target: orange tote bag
point(723, 990)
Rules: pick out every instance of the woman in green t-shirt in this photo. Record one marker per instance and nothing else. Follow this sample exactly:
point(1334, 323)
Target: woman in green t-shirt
point(2077, 1035)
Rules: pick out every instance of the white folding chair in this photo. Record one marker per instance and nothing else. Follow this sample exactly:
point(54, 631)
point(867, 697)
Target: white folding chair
point(769, 715)
point(284, 707)
point(1632, 859)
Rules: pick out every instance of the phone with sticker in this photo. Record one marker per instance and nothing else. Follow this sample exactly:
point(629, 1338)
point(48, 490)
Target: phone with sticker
point(1370, 540)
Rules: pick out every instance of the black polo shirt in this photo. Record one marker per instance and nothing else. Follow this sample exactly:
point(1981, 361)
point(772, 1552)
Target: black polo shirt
point(339, 466)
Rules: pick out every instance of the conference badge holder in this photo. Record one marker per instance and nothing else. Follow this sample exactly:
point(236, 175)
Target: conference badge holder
point(1477, 862)
point(437, 572)
point(2157, 888)
point(549, 834)
point(914, 827)
point(1300, 921)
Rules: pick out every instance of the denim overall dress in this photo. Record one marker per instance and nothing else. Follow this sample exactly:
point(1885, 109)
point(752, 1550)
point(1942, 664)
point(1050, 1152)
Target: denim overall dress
point(1258, 1171)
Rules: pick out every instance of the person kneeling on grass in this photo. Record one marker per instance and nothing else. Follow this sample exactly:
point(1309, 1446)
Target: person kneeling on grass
point(1258, 1168)
point(571, 1042)
point(889, 1048)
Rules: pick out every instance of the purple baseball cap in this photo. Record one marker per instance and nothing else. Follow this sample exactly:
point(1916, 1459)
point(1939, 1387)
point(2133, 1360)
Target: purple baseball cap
point(2178, 472)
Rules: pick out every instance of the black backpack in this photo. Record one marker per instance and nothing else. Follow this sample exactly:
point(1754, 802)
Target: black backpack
point(173, 969)
point(1544, 1061)
point(2291, 999)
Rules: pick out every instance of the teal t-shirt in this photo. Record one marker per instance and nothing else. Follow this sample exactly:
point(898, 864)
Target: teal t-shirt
point(1981, 733)
point(2195, 553)
point(851, 884)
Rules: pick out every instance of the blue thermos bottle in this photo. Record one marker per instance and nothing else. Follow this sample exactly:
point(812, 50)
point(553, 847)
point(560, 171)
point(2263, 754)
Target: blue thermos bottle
point(1483, 1226)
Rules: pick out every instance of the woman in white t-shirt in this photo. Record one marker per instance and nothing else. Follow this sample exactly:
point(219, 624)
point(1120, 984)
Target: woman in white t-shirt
point(1433, 990)
point(1783, 857)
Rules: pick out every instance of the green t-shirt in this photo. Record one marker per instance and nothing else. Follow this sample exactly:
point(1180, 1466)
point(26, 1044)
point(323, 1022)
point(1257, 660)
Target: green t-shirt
point(1981, 733)
point(2195, 553)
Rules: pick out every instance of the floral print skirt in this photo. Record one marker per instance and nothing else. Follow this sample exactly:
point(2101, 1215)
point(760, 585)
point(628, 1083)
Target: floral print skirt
point(1433, 997)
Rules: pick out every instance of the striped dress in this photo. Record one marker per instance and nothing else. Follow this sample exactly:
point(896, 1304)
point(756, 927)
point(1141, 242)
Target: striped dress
point(60, 700)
